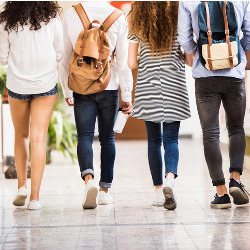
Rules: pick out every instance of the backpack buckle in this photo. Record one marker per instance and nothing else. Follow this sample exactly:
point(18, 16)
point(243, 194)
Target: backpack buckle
point(79, 61)
point(227, 32)
point(99, 64)
point(209, 33)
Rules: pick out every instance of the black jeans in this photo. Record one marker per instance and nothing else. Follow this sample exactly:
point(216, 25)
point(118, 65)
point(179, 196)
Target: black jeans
point(210, 92)
point(104, 106)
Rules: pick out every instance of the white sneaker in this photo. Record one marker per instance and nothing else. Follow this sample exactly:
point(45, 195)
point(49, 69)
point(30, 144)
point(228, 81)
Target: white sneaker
point(34, 205)
point(22, 194)
point(90, 194)
point(104, 198)
point(158, 198)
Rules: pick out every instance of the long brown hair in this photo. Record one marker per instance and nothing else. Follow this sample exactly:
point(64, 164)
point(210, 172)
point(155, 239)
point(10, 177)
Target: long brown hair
point(155, 22)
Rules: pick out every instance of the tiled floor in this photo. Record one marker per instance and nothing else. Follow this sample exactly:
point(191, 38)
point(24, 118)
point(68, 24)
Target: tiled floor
point(131, 223)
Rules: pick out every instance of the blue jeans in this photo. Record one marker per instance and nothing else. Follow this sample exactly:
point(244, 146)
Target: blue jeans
point(169, 135)
point(87, 108)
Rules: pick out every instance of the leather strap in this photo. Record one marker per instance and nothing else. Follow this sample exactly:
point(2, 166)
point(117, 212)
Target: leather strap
point(227, 33)
point(111, 19)
point(85, 22)
point(105, 27)
point(99, 63)
point(209, 37)
point(82, 15)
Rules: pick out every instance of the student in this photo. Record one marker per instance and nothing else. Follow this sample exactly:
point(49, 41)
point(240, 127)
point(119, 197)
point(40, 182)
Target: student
point(214, 87)
point(161, 98)
point(102, 105)
point(30, 44)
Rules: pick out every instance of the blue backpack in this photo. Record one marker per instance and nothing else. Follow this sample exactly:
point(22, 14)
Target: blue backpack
point(218, 42)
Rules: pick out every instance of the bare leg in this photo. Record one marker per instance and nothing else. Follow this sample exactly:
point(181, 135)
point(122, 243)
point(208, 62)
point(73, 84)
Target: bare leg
point(235, 175)
point(41, 110)
point(88, 177)
point(104, 189)
point(20, 113)
point(221, 189)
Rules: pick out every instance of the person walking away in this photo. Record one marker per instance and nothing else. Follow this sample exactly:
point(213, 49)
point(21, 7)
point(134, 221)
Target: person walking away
point(93, 67)
point(161, 97)
point(219, 71)
point(31, 46)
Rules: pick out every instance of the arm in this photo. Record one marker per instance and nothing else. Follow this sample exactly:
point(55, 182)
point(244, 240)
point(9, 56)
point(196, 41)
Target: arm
point(245, 41)
point(58, 39)
point(64, 64)
point(4, 45)
point(185, 31)
point(124, 73)
point(132, 54)
point(189, 59)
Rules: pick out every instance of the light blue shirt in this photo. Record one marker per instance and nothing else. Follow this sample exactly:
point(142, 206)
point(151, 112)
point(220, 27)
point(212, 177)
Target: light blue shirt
point(188, 29)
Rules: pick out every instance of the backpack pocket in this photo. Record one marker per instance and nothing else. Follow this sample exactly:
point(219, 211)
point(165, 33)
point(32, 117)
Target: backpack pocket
point(220, 55)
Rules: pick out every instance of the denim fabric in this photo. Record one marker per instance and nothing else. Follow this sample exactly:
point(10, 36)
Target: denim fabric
point(53, 91)
point(87, 108)
point(169, 136)
point(210, 93)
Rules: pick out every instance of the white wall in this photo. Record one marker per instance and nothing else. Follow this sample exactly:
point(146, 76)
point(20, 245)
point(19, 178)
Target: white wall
point(191, 125)
point(247, 118)
point(8, 131)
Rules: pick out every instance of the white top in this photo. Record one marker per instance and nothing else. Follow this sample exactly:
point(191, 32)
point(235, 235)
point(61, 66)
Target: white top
point(32, 57)
point(117, 36)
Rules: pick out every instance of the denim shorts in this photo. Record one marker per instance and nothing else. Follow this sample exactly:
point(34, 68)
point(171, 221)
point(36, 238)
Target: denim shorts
point(53, 91)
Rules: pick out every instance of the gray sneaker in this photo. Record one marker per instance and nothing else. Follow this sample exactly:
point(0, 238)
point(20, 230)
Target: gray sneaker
point(170, 202)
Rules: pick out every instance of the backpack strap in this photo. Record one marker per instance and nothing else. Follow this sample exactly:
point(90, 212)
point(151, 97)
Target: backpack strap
point(111, 19)
point(82, 15)
point(209, 34)
point(209, 37)
point(105, 27)
point(227, 34)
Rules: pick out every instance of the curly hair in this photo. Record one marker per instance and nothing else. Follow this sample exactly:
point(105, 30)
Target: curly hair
point(155, 22)
point(31, 13)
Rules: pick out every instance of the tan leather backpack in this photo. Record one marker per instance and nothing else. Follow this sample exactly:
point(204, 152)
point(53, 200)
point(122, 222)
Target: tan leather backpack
point(90, 63)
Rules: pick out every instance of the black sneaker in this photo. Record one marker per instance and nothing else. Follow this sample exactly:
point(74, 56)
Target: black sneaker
point(221, 202)
point(238, 192)
point(170, 202)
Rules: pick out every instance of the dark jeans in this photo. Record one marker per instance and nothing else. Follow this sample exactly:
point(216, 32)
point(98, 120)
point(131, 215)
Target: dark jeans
point(104, 106)
point(29, 97)
point(210, 93)
point(169, 135)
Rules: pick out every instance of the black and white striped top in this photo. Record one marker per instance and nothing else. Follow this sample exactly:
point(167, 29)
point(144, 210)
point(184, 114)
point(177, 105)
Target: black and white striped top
point(161, 92)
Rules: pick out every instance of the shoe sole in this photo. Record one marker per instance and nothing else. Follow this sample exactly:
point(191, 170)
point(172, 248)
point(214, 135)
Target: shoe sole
point(221, 206)
point(239, 197)
point(20, 200)
point(90, 202)
point(34, 208)
point(105, 203)
point(157, 204)
point(168, 194)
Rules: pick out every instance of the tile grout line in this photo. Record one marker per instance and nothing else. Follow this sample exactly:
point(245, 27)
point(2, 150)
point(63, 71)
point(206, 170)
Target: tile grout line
point(132, 225)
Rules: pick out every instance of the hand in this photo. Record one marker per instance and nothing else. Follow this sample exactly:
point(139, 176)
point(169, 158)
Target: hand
point(189, 58)
point(248, 60)
point(127, 107)
point(70, 101)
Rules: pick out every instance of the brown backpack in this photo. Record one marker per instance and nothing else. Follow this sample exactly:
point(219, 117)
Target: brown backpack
point(90, 63)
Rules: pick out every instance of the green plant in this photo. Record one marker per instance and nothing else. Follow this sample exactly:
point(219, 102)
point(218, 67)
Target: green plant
point(2, 81)
point(62, 132)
